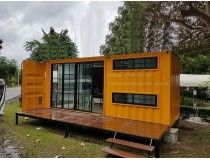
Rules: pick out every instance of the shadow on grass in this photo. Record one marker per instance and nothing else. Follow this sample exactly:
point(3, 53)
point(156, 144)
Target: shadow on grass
point(87, 134)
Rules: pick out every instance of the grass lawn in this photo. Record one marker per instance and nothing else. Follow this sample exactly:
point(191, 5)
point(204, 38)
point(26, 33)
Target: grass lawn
point(49, 142)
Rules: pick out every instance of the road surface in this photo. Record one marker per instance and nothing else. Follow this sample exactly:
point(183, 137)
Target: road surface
point(12, 93)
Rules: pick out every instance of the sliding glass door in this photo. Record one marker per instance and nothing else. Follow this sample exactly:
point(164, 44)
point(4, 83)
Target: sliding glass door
point(77, 86)
point(63, 82)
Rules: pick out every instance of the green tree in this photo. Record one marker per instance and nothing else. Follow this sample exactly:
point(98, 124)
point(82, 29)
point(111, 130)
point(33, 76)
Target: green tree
point(135, 30)
point(8, 70)
point(53, 45)
point(195, 65)
point(150, 26)
point(191, 15)
point(155, 26)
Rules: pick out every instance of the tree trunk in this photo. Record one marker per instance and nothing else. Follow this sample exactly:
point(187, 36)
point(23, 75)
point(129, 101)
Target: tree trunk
point(208, 8)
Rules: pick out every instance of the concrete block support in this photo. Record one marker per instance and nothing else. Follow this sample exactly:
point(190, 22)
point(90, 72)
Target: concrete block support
point(172, 136)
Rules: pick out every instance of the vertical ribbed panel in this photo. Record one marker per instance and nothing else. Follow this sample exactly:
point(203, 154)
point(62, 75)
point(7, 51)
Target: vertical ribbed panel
point(140, 81)
point(163, 81)
point(33, 85)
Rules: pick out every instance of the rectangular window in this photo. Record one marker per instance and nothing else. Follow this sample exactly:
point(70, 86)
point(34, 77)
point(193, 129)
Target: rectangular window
point(138, 99)
point(151, 62)
point(139, 63)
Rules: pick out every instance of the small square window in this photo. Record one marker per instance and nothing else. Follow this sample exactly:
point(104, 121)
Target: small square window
point(139, 63)
point(118, 64)
point(128, 64)
point(151, 62)
point(129, 98)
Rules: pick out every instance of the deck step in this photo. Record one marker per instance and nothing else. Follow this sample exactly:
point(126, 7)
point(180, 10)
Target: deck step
point(131, 144)
point(121, 153)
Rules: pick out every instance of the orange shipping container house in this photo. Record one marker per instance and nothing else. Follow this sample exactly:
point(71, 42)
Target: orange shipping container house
point(140, 88)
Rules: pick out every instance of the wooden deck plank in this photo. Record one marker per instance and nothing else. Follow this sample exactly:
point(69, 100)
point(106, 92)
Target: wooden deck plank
point(131, 144)
point(88, 119)
point(120, 153)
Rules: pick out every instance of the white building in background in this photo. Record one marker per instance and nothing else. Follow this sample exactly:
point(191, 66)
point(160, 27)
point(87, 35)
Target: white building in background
point(194, 80)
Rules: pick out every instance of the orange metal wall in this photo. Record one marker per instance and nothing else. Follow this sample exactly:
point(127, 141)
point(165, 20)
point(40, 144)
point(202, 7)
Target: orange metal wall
point(34, 86)
point(175, 90)
point(163, 81)
point(142, 81)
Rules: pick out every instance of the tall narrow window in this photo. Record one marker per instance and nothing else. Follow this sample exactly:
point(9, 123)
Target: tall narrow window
point(69, 83)
point(57, 74)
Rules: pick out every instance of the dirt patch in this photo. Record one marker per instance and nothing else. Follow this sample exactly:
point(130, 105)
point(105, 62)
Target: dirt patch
point(194, 141)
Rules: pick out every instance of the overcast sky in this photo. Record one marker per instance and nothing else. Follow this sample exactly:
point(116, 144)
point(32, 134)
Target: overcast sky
point(87, 23)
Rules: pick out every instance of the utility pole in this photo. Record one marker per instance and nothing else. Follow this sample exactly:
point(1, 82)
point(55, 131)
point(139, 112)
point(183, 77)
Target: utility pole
point(1, 41)
point(18, 80)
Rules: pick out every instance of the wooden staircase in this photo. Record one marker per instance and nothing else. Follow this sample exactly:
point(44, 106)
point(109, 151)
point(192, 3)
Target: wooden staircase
point(120, 153)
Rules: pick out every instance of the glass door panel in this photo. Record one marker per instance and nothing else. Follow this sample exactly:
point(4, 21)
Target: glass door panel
point(84, 87)
point(97, 87)
point(57, 85)
point(63, 85)
point(69, 82)
point(54, 85)
point(78, 86)
point(60, 84)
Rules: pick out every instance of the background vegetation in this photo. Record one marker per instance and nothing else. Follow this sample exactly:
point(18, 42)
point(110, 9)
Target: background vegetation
point(52, 45)
point(181, 27)
point(8, 69)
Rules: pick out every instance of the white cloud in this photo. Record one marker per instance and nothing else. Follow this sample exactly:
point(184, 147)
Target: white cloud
point(87, 24)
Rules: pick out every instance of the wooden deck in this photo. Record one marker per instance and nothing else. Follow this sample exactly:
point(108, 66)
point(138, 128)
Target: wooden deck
point(98, 121)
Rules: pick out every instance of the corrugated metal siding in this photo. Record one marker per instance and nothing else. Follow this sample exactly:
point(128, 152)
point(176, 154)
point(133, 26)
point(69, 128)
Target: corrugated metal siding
point(151, 81)
point(175, 90)
point(33, 85)
point(163, 81)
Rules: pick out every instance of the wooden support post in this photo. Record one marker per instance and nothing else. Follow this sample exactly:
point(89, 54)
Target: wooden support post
point(157, 149)
point(16, 118)
point(67, 131)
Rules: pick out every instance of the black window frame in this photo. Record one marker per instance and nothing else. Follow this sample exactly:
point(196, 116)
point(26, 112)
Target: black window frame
point(124, 101)
point(123, 67)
